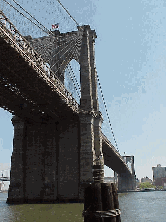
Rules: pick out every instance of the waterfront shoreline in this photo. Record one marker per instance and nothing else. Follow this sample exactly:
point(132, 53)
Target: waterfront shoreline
point(129, 191)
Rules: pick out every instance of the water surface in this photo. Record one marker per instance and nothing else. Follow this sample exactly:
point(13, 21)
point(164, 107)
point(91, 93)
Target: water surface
point(135, 207)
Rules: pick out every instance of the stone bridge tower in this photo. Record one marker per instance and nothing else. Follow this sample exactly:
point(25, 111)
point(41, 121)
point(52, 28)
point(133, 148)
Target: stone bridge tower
point(52, 159)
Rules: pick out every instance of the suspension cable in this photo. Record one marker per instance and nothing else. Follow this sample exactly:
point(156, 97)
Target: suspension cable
point(74, 76)
point(73, 81)
point(107, 112)
point(48, 31)
point(25, 16)
point(68, 66)
point(68, 12)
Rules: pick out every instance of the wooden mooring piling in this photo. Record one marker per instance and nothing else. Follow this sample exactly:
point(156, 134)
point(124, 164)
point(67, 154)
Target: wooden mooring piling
point(101, 200)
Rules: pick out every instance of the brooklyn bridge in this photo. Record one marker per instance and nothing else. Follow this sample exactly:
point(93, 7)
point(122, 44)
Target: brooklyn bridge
point(58, 130)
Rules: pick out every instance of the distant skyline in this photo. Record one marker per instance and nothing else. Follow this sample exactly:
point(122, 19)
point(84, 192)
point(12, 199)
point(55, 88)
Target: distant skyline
point(130, 60)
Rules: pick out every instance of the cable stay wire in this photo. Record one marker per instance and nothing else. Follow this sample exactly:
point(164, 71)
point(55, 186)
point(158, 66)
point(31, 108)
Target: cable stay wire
point(58, 60)
point(62, 56)
point(66, 44)
point(60, 64)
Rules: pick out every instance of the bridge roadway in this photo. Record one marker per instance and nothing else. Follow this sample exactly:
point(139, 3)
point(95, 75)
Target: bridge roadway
point(27, 92)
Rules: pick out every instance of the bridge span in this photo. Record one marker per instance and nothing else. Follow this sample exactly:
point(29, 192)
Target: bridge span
point(112, 158)
point(56, 140)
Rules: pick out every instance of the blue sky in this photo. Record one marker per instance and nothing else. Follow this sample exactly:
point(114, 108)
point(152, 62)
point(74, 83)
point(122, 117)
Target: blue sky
point(130, 61)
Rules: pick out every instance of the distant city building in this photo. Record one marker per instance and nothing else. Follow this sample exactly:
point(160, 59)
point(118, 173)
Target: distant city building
point(160, 182)
point(159, 172)
point(146, 179)
point(159, 175)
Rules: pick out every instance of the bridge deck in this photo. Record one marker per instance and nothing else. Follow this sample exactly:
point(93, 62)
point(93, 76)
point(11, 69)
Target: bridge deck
point(112, 158)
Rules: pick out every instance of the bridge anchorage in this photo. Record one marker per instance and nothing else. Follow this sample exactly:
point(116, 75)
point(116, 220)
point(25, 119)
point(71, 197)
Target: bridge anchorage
point(56, 140)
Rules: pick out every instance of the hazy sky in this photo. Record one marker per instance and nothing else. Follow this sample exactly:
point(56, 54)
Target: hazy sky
point(130, 61)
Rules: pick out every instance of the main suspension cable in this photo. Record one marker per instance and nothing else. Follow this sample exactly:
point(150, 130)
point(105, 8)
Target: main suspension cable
point(48, 31)
point(68, 12)
point(26, 17)
point(107, 112)
point(69, 71)
point(75, 77)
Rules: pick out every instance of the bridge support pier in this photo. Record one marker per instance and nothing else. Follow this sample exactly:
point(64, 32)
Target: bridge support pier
point(53, 161)
point(45, 161)
point(91, 147)
point(126, 182)
point(87, 153)
point(16, 189)
point(116, 179)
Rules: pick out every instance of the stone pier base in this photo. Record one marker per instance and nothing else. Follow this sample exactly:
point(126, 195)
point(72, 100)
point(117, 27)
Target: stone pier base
point(126, 182)
point(45, 163)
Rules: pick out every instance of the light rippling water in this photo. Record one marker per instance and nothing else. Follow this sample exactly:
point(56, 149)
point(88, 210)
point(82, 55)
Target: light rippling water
point(143, 206)
point(135, 207)
point(39, 212)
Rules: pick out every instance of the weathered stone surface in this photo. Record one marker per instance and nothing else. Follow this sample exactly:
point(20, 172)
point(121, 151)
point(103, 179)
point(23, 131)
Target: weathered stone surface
point(16, 188)
point(126, 182)
point(68, 160)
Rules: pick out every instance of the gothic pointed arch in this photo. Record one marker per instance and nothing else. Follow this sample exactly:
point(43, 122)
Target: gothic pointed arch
point(71, 75)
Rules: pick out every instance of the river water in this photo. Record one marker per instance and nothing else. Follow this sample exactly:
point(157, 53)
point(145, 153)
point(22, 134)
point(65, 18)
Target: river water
point(135, 207)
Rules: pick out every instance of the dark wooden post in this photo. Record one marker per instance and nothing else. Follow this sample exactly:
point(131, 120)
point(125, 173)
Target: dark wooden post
point(101, 201)
point(107, 200)
point(87, 201)
point(116, 203)
point(92, 202)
